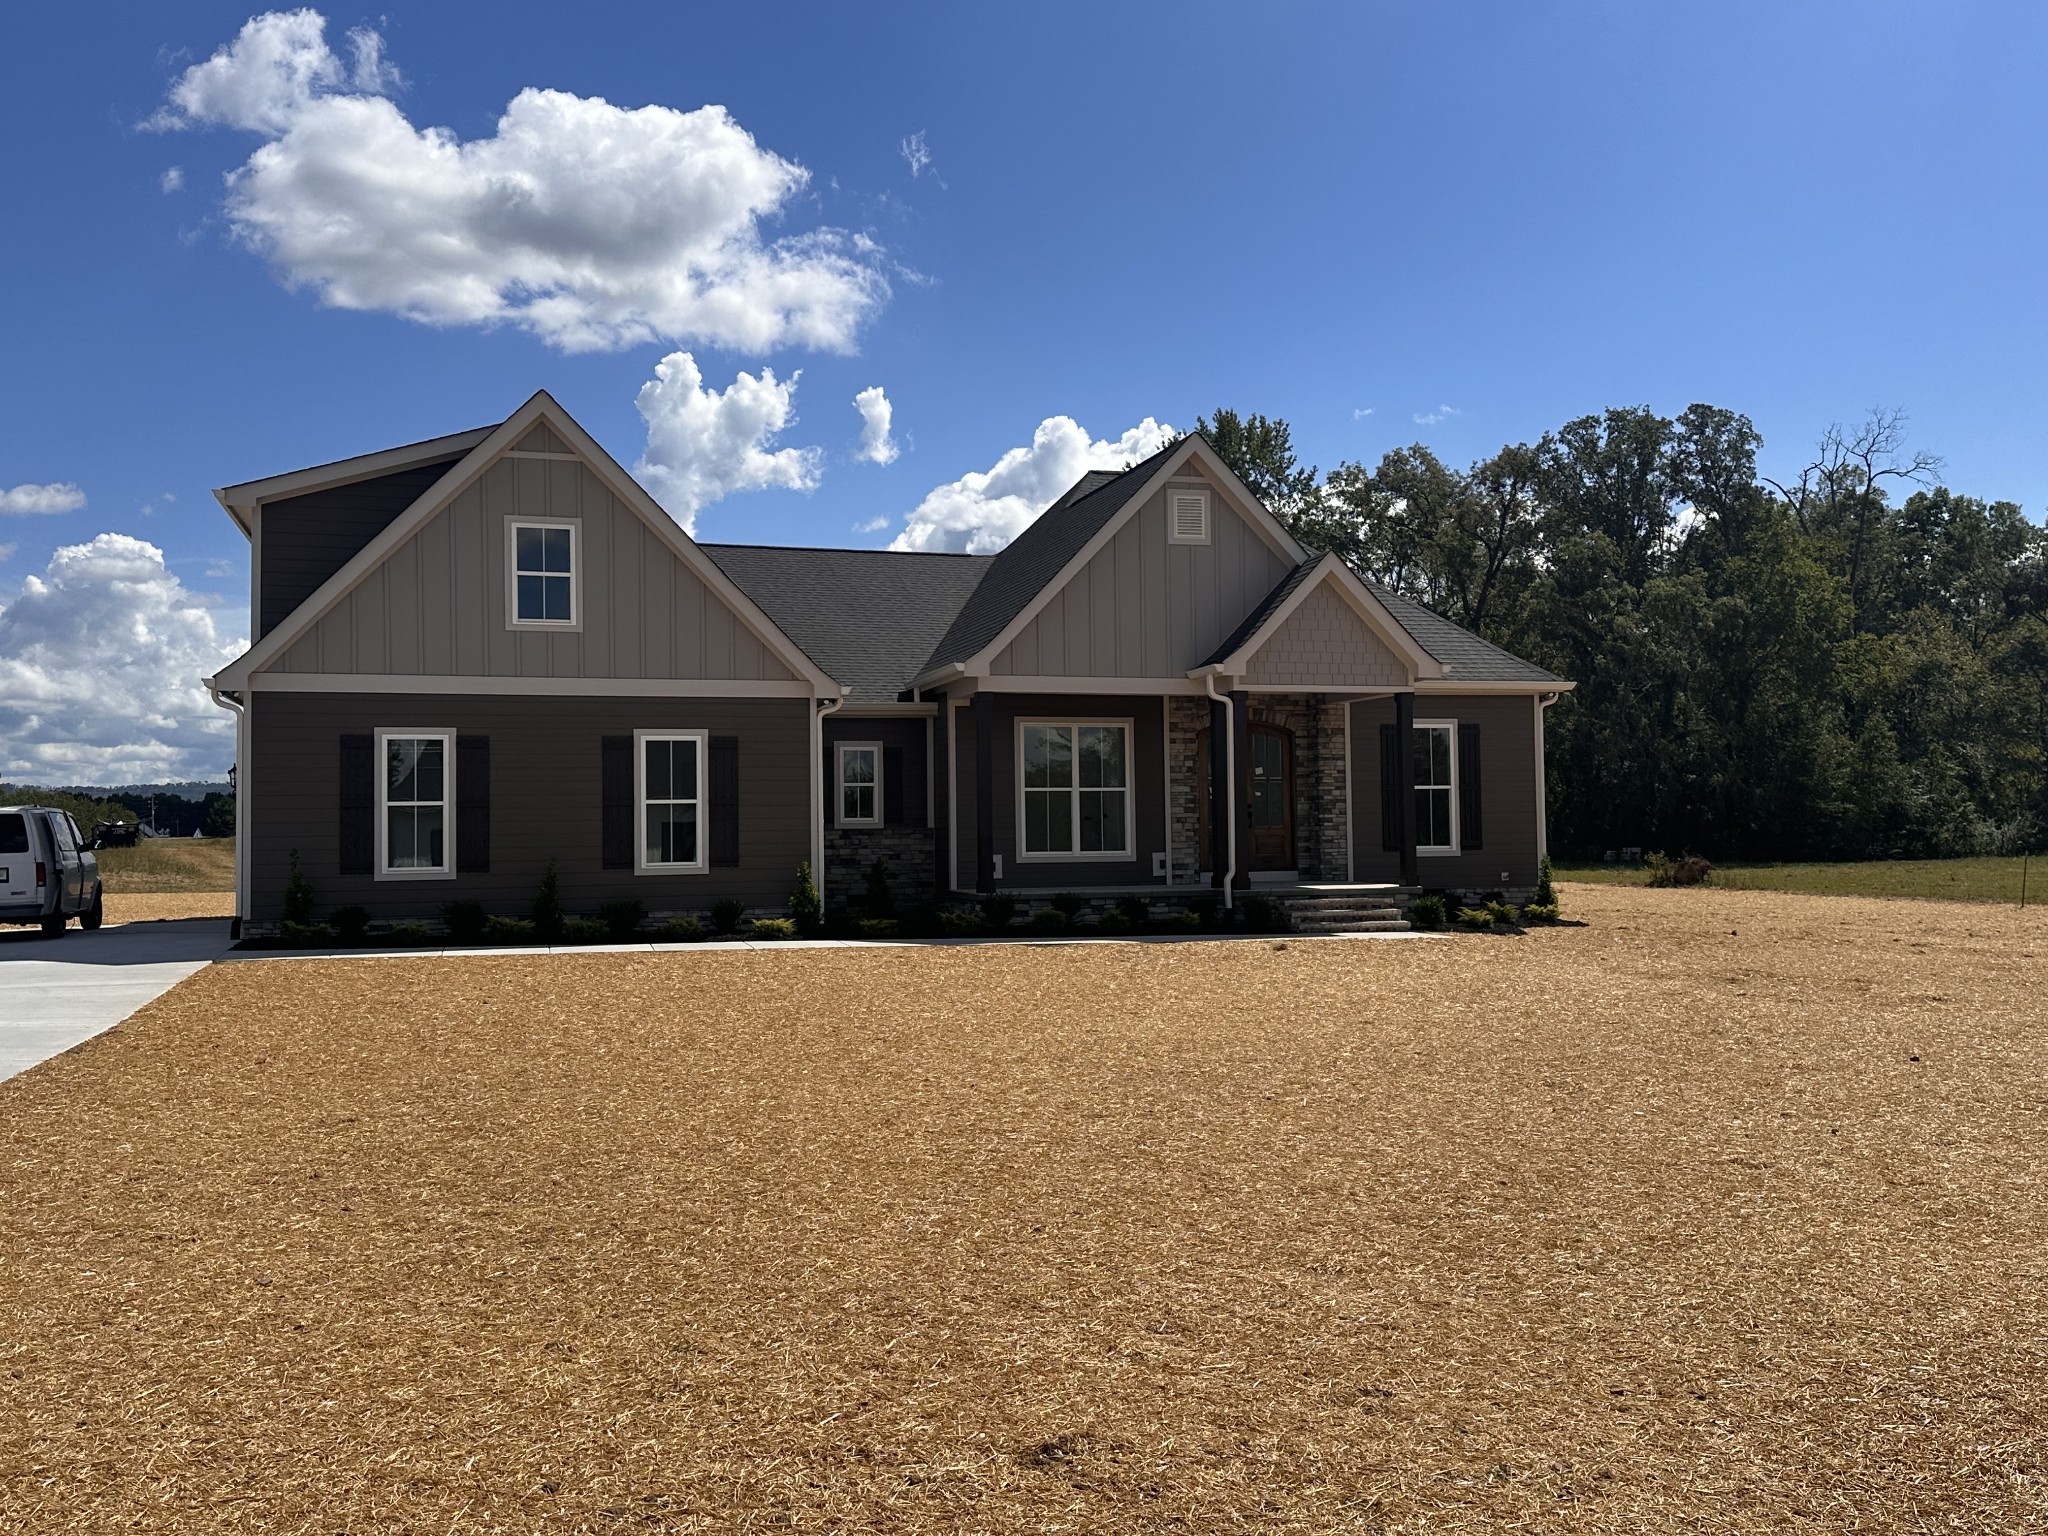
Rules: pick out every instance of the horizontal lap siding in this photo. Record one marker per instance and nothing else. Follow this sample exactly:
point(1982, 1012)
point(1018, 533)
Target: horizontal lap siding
point(1507, 727)
point(906, 733)
point(546, 801)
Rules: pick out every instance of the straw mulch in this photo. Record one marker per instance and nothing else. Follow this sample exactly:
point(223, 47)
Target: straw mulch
point(1725, 1213)
point(153, 907)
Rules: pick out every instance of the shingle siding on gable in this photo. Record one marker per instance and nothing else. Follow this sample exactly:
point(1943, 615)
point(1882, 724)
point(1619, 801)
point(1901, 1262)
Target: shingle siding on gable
point(1325, 643)
point(436, 606)
point(1144, 607)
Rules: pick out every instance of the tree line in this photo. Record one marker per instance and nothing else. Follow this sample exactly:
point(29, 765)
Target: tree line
point(1849, 664)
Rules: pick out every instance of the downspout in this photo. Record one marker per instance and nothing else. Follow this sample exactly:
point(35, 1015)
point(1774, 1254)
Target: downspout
point(241, 714)
point(824, 707)
point(1229, 789)
point(1543, 702)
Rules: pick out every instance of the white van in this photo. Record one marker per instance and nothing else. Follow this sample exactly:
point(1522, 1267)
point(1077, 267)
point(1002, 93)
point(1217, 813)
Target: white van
point(47, 873)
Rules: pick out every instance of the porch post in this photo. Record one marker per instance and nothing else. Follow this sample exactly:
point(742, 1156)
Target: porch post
point(984, 707)
point(938, 748)
point(1241, 791)
point(1404, 753)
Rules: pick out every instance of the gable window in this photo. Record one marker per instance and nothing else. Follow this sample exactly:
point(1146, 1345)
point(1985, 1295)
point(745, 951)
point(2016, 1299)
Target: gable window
point(543, 571)
point(673, 835)
point(415, 811)
point(860, 784)
point(1187, 516)
point(1074, 781)
point(1436, 786)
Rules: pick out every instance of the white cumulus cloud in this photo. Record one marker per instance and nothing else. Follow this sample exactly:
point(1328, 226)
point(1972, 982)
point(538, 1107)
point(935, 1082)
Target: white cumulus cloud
point(61, 496)
point(705, 443)
point(983, 510)
point(100, 661)
point(591, 225)
point(173, 179)
point(877, 446)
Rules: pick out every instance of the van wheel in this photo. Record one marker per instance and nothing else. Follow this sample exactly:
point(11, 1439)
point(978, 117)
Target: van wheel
point(53, 925)
point(95, 914)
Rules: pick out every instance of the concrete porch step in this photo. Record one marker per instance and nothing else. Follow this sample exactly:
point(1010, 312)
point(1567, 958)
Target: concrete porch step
point(1342, 912)
point(1358, 925)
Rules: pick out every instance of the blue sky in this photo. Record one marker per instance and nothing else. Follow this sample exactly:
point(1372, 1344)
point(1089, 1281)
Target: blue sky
point(1456, 224)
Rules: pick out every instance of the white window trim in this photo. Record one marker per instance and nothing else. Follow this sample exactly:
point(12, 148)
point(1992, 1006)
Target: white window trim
point(1173, 536)
point(839, 816)
point(574, 622)
point(702, 863)
point(1434, 851)
point(416, 733)
point(1123, 855)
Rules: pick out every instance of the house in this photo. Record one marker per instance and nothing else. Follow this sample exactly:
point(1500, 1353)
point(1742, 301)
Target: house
point(486, 653)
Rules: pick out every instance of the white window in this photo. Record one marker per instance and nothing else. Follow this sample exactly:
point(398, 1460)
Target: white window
point(670, 771)
point(415, 806)
point(1187, 516)
point(1436, 786)
point(1075, 789)
point(541, 565)
point(860, 784)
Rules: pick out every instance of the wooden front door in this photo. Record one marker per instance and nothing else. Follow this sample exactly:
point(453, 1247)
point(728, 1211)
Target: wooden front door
point(1272, 776)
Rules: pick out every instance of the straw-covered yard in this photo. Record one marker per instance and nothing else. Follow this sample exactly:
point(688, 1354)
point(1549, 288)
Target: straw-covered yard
point(1724, 1213)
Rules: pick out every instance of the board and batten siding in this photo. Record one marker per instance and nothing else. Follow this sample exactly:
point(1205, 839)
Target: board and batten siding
point(436, 606)
point(546, 794)
point(306, 539)
point(1147, 607)
point(1507, 777)
point(1324, 643)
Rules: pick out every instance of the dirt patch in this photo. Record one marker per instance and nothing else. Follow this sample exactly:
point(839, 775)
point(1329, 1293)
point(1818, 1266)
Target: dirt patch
point(1724, 1213)
point(158, 906)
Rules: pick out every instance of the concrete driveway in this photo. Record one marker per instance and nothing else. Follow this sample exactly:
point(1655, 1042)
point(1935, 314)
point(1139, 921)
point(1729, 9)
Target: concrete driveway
point(55, 993)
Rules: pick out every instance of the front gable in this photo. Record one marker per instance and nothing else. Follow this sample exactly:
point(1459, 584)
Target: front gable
point(1324, 643)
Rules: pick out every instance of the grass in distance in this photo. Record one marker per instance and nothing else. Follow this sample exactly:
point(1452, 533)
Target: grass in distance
point(167, 864)
point(1927, 879)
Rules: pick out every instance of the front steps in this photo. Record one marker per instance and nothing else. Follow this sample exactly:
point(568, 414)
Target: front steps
point(1328, 912)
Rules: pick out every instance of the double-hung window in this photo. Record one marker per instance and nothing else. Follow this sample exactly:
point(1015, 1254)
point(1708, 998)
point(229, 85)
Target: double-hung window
point(415, 809)
point(860, 784)
point(1075, 782)
point(673, 838)
point(1436, 786)
point(542, 558)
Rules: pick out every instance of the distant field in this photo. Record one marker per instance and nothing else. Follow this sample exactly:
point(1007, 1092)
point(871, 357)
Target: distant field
point(1926, 879)
point(169, 864)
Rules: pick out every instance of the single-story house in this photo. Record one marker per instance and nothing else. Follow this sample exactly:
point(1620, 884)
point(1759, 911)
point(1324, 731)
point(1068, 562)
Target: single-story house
point(486, 653)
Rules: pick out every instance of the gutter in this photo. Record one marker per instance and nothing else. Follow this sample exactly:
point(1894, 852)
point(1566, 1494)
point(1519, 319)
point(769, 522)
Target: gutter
point(823, 707)
point(240, 711)
point(1230, 789)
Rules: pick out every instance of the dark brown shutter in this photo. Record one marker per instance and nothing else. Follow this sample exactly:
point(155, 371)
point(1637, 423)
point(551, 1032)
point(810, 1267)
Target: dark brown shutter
point(892, 786)
point(472, 804)
point(1468, 786)
point(616, 776)
point(725, 802)
point(1390, 789)
point(358, 802)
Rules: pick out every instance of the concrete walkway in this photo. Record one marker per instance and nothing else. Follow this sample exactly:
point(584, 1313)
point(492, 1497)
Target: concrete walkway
point(55, 993)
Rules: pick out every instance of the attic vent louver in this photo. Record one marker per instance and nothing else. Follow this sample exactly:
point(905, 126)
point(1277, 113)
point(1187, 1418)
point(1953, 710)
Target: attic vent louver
point(1187, 515)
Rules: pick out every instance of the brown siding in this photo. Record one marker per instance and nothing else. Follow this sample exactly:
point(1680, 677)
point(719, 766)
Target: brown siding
point(1507, 777)
point(903, 732)
point(546, 801)
point(306, 539)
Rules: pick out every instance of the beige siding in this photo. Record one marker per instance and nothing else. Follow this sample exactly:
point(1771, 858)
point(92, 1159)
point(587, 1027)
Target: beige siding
point(1146, 608)
point(436, 607)
point(1325, 643)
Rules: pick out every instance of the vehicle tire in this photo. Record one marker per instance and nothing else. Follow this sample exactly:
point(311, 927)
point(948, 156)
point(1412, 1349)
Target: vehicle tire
point(53, 925)
point(95, 914)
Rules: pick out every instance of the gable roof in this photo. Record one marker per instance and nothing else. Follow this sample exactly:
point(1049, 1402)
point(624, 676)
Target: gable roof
point(540, 408)
point(241, 500)
point(868, 617)
point(1277, 605)
point(1466, 657)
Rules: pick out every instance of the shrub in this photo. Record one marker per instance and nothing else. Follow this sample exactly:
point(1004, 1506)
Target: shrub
point(958, 922)
point(298, 896)
point(1208, 913)
point(1115, 921)
point(1427, 912)
point(999, 911)
point(878, 900)
point(772, 928)
point(307, 935)
point(1187, 920)
point(1135, 912)
point(1051, 920)
point(508, 930)
point(350, 924)
point(413, 934)
point(1475, 917)
point(465, 920)
point(805, 909)
point(1689, 869)
point(726, 915)
point(1540, 912)
point(1069, 904)
point(1262, 914)
point(1501, 911)
point(682, 930)
point(547, 908)
point(622, 919)
point(1545, 895)
point(583, 930)
point(877, 927)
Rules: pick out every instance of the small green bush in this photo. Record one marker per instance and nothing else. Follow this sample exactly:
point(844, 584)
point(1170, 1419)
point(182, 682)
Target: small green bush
point(547, 908)
point(1501, 911)
point(1689, 869)
point(877, 927)
point(509, 930)
point(772, 928)
point(465, 920)
point(298, 896)
point(1208, 912)
point(1114, 922)
point(805, 908)
point(1069, 904)
point(622, 919)
point(1186, 920)
point(682, 930)
point(413, 935)
point(999, 911)
point(1545, 895)
point(1135, 912)
point(958, 923)
point(350, 924)
point(1474, 917)
point(584, 930)
point(1540, 912)
point(1051, 920)
point(726, 915)
point(307, 935)
point(1427, 912)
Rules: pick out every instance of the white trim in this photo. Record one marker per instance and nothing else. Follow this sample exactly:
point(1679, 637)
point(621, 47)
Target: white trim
point(1373, 613)
point(1543, 701)
point(1129, 790)
point(839, 751)
point(574, 526)
point(246, 497)
point(537, 687)
point(887, 711)
point(1447, 688)
point(1173, 510)
point(382, 870)
point(1010, 683)
point(702, 863)
point(1439, 850)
